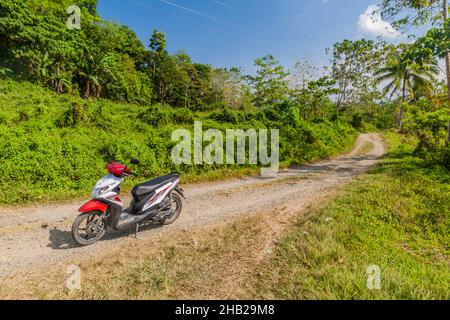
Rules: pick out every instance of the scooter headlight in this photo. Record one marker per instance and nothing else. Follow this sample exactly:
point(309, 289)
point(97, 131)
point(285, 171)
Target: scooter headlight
point(99, 191)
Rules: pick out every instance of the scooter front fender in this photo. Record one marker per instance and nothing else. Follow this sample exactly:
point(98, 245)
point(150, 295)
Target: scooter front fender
point(94, 205)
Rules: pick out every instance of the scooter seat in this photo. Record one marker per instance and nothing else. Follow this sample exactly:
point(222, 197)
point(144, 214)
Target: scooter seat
point(148, 187)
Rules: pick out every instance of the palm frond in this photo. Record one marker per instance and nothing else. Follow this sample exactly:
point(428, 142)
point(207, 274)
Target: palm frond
point(386, 70)
point(392, 86)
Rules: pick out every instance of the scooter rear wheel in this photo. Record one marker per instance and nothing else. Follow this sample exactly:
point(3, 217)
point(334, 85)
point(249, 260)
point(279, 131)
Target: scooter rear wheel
point(87, 229)
point(177, 205)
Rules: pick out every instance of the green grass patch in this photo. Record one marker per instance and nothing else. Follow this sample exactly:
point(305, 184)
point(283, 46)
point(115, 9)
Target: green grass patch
point(396, 217)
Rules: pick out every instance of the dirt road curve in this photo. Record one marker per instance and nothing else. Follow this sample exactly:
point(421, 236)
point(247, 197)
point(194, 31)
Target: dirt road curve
point(39, 236)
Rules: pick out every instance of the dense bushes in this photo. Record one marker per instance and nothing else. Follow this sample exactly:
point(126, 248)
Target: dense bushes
point(428, 122)
point(53, 146)
point(160, 115)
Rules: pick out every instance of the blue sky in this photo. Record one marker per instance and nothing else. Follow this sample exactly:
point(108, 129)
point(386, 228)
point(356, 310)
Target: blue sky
point(230, 33)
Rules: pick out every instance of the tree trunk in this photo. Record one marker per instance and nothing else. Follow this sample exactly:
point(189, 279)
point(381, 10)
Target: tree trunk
point(400, 116)
point(87, 91)
point(186, 96)
point(447, 64)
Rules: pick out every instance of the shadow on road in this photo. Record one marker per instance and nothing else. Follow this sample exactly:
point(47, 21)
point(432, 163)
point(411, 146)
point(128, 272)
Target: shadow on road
point(62, 239)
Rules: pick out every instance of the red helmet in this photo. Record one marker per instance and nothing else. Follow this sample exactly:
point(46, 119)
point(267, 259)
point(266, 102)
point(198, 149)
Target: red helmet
point(117, 169)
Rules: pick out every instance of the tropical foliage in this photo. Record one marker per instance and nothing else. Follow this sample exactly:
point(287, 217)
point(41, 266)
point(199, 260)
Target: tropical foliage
point(106, 89)
point(54, 145)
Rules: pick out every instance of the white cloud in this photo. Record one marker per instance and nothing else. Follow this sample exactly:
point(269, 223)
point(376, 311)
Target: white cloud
point(371, 22)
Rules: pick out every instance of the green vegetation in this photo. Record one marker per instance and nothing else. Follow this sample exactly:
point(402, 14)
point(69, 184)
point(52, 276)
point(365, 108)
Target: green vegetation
point(396, 217)
point(69, 94)
point(111, 92)
point(53, 146)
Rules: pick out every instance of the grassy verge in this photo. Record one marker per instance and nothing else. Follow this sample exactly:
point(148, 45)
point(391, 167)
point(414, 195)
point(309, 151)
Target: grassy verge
point(396, 217)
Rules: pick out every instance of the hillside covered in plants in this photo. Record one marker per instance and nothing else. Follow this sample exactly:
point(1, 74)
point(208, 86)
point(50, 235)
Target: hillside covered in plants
point(55, 145)
point(69, 94)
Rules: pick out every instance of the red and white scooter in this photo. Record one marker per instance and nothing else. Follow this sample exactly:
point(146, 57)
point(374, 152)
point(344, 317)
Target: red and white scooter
point(155, 201)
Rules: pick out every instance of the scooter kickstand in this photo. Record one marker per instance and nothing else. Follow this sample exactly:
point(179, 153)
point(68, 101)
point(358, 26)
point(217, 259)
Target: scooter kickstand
point(136, 231)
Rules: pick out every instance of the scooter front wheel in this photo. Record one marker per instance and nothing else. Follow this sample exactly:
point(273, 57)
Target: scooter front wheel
point(87, 228)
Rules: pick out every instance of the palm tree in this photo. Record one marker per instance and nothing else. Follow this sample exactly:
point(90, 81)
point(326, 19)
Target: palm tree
point(409, 78)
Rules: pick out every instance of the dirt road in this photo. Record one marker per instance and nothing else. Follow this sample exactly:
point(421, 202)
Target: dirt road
point(40, 236)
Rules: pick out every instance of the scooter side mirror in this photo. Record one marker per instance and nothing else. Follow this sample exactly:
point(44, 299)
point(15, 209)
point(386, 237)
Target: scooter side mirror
point(135, 161)
point(108, 155)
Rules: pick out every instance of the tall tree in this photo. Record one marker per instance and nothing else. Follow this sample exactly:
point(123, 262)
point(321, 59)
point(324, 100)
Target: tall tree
point(301, 75)
point(229, 85)
point(447, 62)
point(407, 13)
point(158, 41)
point(270, 83)
point(353, 65)
point(408, 78)
point(161, 65)
point(419, 13)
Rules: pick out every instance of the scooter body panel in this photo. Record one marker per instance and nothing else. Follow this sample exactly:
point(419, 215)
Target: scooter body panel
point(94, 205)
point(154, 200)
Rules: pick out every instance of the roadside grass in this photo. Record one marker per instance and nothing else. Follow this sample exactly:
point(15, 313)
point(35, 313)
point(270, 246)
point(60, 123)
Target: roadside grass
point(396, 217)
